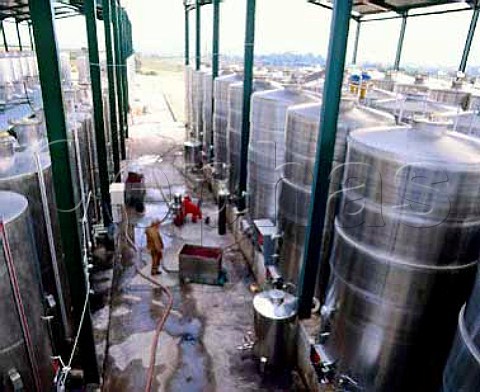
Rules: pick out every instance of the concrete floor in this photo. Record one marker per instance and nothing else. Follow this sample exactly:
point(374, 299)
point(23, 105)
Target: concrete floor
point(198, 349)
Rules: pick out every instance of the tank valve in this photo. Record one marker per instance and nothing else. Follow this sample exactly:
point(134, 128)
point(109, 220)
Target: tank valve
point(263, 364)
point(15, 380)
point(323, 364)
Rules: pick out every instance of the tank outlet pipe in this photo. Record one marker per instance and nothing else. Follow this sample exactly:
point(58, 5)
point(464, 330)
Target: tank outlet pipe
point(51, 247)
point(17, 295)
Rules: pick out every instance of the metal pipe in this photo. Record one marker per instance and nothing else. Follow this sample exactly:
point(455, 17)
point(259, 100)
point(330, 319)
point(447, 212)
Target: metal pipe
point(51, 247)
point(323, 164)
point(30, 34)
point(401, 38)
point(17, 26)
point(357, 39)
point(107, 20)
point(42, 16)
point(198, 28)
point(469, 39)
point(90, 9)
point(247, 92)
point(187, 37)
point(118, 71)
point(5, 43)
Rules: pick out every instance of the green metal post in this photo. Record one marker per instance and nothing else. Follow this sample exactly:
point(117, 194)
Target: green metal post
point(468, 41)
point(20, 46)
point(216, 38)
point(357, 39)
point(42, 15)
point(5, 43)
point(123, 68)
point(187, 37)
point(198, 28)
point(90, 8)
point(325, 149)
point(401, 38)
point(118, 71)
point(107, 20)
point(247, 92)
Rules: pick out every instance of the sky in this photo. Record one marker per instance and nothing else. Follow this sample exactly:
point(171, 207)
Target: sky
point(282, 26)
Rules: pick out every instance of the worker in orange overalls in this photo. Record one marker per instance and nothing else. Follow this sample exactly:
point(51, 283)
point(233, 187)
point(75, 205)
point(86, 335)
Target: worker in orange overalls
point(155, 245)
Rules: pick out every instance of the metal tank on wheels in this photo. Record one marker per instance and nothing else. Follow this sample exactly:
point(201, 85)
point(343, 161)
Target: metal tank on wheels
point(301, 134)
point(405, 252)
point(462, 372)
point(220, 114)
point(266, 152)
point(25, 352)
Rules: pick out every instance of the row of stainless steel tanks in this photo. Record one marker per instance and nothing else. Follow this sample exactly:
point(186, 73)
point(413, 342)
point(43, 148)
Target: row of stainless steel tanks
point(36, 300)
point(402, 229)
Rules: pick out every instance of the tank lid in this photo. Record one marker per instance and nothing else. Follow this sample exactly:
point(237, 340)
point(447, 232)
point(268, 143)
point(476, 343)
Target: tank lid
point(452, 150)
point(11, 205)
point(275, 304)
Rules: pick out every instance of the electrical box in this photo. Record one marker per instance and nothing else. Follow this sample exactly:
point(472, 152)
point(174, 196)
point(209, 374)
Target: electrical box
point(117, 197)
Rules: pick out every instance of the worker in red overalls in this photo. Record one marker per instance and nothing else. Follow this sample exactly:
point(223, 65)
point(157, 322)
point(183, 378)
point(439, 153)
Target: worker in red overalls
point(155, 245)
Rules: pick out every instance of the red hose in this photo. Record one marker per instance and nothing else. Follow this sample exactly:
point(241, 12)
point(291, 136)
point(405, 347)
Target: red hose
point(161, 322)
point(20, 307)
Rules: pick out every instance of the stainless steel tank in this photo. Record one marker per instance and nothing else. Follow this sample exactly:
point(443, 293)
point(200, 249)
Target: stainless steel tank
point(23, 178)
point(409, 106)
point(207, 114)
point(234, 128)
point(188, 97)
point(457, 95)
point(462, 372)
point(407, 241)
point(22, 253)
point(197, 103)
point(303, 122)
point(220, 114)
point(266, 152)
point(275, 321)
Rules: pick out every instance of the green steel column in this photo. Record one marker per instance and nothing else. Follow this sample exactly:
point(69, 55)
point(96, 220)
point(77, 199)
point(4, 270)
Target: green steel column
point(357, 39)
point(187, 37)
point(90, 8)
point(468, 41)
point(216, 38)
point(198, 28)
point(107, 20)
point(118, 72)
point(5, 43)
point(398, 56)
point(247, 92)
point(42, 15)
point(325, 149)
point(20, 46)
point(123, 68)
